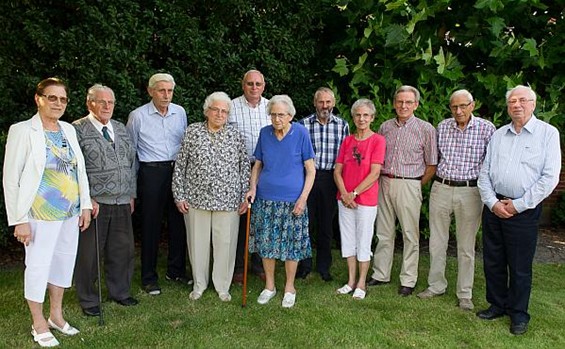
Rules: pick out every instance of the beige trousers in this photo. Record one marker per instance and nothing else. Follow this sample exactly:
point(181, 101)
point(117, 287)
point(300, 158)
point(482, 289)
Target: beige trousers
point(221, 227)
point(402, 199)
point(466, 206)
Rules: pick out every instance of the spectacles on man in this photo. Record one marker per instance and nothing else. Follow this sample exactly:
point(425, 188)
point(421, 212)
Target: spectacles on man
point(105, 103)
point(459, 106)
point(53, 99)
point(218, 110)
point(278, 115)
point(407, 103)
point(251, 83)
point(522, 101)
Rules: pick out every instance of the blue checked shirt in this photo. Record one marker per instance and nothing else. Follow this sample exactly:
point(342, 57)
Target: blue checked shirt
point(326, 139)
point(461, 152)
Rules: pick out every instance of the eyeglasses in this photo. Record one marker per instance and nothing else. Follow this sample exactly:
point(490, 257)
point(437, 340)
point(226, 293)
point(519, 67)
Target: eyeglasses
point(362, 116)
point(53, 99)
point(105, 103)
point(251, 83)
point(460, 106)
point(522, 101)
point(407, 103)
point(278, 115)
point(218, 110)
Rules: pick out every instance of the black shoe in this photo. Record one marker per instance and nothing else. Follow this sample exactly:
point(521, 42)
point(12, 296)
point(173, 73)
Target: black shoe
point(92, 311)
point(127, 302)
point(302, 274)
point(405, 291)
point(490, 314)
point(152, 289)
point(519, 328)
point(180, 279)
point(375, 282)
point(327, 277)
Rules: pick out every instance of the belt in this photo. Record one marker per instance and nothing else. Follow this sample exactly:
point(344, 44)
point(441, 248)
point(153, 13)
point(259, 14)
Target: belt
point(158, 164)
point(400, 177)
point(324, 171)
point(469, 183)
point(502, 197)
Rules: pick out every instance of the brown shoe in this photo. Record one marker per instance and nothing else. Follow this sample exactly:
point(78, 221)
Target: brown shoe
point(237, 279)
point(427, 294)
point(466, 304)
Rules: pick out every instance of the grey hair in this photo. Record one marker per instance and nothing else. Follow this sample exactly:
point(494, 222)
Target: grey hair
point(522, 87)
point(91, 94)
point(363, 102)
point(160, 77)
point(250, 72)
point(282, 99)
point(323, 90)
point(462, 92)
point(217, 97)
point(408, 88)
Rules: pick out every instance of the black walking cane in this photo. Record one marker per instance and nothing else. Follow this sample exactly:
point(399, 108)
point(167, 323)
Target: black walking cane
point(246, 255)
point(101, 316)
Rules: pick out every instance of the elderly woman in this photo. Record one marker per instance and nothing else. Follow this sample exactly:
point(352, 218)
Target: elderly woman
point(47, 200)
point(281, 180)
point(357, 169)
point(210, 179)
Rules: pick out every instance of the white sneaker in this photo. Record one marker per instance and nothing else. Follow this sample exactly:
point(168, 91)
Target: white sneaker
point(194, 295)
point(289, 300)
point(266, 296)
point(225, 297)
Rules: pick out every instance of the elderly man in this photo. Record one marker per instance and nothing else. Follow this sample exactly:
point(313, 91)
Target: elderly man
point(249, 115)
point(521, 169)
point(157, 129)
point(410, 162)
point(110, 165)
point(462, 146)
point(327, 132)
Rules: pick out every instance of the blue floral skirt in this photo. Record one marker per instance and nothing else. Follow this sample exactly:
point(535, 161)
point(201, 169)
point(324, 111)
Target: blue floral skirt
point(278, 234)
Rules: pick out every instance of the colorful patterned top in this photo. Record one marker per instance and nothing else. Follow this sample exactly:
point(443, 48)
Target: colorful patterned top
point(58, 194)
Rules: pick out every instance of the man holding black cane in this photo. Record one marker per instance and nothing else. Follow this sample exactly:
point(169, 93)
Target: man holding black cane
point(110, 166)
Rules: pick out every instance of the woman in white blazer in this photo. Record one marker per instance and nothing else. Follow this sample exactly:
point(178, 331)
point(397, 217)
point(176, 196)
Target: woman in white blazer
point(47, 200)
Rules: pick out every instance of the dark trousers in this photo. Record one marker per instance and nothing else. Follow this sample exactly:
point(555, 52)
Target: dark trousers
point(115, 238)
point(256, 263)
point(509, 246)
point(156, 200)
point(322, 205)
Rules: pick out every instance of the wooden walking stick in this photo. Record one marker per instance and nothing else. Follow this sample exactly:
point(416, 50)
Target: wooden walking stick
point(246, 255)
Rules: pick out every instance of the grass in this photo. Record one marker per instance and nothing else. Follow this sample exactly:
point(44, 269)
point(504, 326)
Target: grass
point(320, 319)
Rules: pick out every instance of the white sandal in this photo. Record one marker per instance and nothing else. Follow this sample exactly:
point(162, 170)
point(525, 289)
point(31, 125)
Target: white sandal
point(45, 339)
point(345, 289)
point(359, 294)
point(67, 329)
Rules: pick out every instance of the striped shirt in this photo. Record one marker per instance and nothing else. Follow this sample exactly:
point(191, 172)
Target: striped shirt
point(326, 139)
point(461, 152)
point(410, 147)
point(249, 121)
point(524, 166)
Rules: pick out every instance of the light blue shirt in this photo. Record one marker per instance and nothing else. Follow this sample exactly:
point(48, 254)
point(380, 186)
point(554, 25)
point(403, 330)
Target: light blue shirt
point(524, 166)
point(156, 137)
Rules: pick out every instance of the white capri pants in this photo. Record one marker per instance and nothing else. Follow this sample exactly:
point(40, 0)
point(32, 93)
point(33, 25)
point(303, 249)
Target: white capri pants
point(356, 229)
point(50, 256)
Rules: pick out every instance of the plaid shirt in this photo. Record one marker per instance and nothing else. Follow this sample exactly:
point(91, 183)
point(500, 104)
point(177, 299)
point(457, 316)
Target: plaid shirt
point(326, 139)
point(249, 121)
point(461, 152)
point(410, 147)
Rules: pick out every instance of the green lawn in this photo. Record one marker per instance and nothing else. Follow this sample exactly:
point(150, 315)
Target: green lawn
point(320, 318)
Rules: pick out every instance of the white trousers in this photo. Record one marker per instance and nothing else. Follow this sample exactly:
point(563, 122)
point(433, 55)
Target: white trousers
point(221, 227)
point(50, 256)
point(356, 228)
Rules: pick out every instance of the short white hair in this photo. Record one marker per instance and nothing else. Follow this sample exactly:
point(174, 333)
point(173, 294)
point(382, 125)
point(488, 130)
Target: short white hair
point(282, 99)
point(160, 77)
point(522, 87)
point(217, 97)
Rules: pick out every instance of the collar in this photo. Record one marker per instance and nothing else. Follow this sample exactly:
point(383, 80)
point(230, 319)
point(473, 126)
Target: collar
point(98, 124)
point(530, 126)
point(410, 120)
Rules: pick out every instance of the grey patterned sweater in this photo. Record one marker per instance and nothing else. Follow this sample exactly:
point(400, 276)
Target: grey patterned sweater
point(110, 169)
